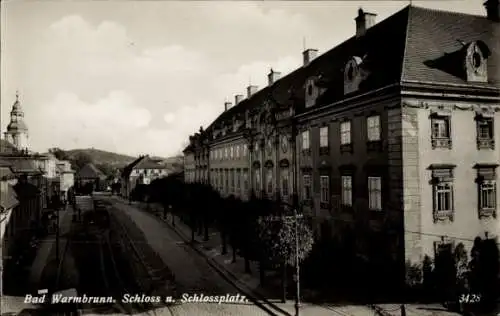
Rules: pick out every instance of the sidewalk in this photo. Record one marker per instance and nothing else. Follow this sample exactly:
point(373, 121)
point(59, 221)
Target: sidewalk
point(46, 252)
point(250, 283)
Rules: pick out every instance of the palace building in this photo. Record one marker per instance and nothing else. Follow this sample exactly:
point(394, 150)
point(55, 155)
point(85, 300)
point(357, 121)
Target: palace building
point(387, 142)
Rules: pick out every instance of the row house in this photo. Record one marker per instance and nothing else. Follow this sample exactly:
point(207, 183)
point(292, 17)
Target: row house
point(386, 143)
point(8, 202)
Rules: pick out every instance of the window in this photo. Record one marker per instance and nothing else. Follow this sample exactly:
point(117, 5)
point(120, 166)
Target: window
point(485, 138)
point(346, 187)
point(245, 182)
point(442, 188)
point(237, 151)
point(325, 189)
point(441, 131)
point(345, 133)
point(284, 184)
point(487, 190)
point(225, 153)
point(226, 177)
point(245, 148)
point(269, 181)
point(323, 136)
point(373, 130)
point(232, 152)
point(257, 180)
point(238, 179)
point(305, 140)
point(375, 193)
point(440, 128)
point(487, 198)
point(307, 187)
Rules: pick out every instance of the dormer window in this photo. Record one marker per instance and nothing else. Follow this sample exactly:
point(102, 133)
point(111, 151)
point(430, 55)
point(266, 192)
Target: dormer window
point(310, 90)
point(354, 74)
point(311, 93)
point(476, 57)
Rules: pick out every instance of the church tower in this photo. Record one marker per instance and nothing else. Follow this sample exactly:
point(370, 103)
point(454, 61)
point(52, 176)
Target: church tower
point(17, 131)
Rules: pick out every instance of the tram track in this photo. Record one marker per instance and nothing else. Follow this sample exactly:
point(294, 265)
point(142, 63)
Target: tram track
point(147, 282)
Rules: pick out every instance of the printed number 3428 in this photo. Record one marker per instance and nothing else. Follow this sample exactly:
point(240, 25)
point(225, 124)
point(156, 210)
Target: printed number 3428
point(469, 298)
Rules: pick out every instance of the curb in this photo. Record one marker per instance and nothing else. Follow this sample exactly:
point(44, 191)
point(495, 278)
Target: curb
point(230, 277)
point(379, 311)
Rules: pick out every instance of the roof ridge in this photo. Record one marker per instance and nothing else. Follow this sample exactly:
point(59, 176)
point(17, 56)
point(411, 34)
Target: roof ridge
point(301, 68)
point(405, 48)
point(445, 11)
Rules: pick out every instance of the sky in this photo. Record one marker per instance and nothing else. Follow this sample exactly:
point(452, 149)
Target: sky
point(139, 77)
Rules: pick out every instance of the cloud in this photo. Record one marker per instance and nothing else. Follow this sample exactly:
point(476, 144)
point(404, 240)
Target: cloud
point(104, 89)
point(106, 123)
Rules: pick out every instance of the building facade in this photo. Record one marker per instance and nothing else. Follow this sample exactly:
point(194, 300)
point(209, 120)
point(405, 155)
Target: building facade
point(387, 143)
point(66, 177)
point(143, 170)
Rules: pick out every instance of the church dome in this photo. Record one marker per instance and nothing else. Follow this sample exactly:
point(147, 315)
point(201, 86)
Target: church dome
point(17, 126)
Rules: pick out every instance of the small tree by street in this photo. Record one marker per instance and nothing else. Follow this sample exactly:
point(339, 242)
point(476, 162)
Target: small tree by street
point(277, 234)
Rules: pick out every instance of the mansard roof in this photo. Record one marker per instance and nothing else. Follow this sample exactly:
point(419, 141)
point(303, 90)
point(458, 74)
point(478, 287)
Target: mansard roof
point(398, 49)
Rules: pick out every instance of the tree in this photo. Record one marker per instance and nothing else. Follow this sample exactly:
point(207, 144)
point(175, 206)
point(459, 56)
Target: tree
point(484, 268)
point(81, 159)
point(59, 153)
point(107, 169)
point(277, 234)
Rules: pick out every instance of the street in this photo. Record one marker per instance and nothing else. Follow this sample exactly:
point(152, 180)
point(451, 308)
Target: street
point(192, 274)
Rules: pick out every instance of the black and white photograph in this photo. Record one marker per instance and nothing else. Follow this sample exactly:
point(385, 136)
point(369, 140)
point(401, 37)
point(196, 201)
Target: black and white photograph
point(248, 158)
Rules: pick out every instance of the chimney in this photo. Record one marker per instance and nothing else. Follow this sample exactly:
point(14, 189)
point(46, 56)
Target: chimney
point(364, 21)
point(238, 98)
point(493, 10)
point(309, 55)
point(227, 105)
point(273, 76)
point(251, 90)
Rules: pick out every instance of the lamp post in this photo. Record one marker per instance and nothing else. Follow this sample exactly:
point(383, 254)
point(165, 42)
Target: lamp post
point(296, 216)
point(57, 235)
point(297, 264)
point(249, 135)
point(293, 134)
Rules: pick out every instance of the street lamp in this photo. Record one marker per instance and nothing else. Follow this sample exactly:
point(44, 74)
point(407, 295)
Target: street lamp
point(57, 235)
point(296, 216)
point(250, 134)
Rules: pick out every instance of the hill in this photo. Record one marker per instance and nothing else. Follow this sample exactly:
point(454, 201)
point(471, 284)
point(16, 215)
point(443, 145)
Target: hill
point(101, 157)
point(107, 161)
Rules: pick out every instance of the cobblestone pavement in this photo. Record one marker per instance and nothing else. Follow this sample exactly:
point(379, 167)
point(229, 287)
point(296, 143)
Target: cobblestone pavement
point(192, 273)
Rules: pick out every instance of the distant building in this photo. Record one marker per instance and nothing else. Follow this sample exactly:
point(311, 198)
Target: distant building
point(8, 202)
point(142, 171)
point(66, 176)
point(89, 173)
point(17, 131)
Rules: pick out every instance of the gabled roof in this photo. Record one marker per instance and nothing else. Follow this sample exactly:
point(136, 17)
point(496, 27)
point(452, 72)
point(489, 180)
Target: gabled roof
point(90, 171)
point(21, 166)
point(6, 173)
point(128, 168)
point(433, 34)
point(399, 48)
point(25, 191)
point(148, 163)
point(6, 147)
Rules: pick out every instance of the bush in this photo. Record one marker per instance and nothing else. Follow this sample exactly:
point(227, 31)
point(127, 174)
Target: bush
point(277, 234)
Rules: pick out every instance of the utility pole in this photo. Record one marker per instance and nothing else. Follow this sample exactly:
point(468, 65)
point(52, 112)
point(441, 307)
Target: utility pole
point(297, 264)
point(57, 235)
